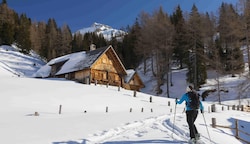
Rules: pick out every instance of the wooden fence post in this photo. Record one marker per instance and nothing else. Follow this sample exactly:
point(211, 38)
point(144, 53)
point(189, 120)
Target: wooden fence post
point(213, 108)
point(141, 109)
point(150, 99)
point(36, 114)
point(236, 129)
point(233, 107)
point(242, 107)
point(107, 109)
point(151, 110)
point(130, 110)
point(213, 122)
point(60, 109)
point(134, 93)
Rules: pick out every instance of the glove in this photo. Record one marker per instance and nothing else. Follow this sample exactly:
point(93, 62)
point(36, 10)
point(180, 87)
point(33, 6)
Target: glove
point(176, 99)
point(202, 111)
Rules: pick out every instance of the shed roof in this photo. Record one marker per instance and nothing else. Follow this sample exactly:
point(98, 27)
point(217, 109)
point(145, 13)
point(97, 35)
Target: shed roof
point(129, 76)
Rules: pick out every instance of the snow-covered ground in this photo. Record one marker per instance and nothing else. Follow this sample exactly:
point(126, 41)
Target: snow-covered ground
point(98, 114)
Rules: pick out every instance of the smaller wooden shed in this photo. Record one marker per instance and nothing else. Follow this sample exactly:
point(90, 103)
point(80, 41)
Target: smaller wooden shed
point(132, 81)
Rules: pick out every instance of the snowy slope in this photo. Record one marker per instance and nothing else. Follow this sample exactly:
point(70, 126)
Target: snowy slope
point(84, 120)
point(17, 63)
point(107, 31)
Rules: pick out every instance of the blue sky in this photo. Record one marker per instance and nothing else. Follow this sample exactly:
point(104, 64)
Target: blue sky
point(115, 13)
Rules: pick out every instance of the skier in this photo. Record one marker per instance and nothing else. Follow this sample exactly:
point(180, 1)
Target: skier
point(191, 112)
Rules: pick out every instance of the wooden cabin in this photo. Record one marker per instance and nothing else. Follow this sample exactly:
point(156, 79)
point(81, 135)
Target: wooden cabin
point(101, 66)
point(132, 81)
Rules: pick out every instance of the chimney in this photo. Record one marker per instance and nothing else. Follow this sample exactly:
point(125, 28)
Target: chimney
point(92, 47)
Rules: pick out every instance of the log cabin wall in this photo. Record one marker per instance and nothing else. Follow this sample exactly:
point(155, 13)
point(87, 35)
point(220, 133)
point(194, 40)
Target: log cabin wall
point(103, 71)
point(83, 76)
point(104, 63)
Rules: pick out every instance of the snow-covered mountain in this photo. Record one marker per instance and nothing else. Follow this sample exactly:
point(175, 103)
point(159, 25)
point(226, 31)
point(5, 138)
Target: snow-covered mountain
point(107, 31)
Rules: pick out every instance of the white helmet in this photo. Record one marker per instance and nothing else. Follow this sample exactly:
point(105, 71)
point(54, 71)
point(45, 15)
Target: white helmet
point(189, 88)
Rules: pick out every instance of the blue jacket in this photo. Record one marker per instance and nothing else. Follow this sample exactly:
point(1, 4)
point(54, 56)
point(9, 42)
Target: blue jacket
point(186, 98)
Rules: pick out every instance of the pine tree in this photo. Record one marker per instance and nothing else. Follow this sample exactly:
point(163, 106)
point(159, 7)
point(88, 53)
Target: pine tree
point(180, 36)
point(37, 36)
point(246, 29)
point(128, 49)
point(22, 35)
point(8, 22)
point(7, 34)
point(155, 40)
point(41, 27)
point(4, 2)
point(34, 37)
point(49, 49)
point(143, 45)
point(196, 64)
point(66, 40)
point(77, 42)
point(230, 34)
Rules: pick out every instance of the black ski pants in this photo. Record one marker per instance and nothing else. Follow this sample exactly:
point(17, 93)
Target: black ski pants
point(191, 117)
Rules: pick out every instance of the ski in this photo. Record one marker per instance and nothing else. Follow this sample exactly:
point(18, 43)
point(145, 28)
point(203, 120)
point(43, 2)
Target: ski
point(196, 142)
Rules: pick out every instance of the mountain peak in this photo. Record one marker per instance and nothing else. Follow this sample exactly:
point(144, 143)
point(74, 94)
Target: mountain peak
point(100, 26)
point(107, 31)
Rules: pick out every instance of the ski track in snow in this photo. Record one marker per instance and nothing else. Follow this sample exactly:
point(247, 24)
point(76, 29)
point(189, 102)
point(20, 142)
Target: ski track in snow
point(137, 129)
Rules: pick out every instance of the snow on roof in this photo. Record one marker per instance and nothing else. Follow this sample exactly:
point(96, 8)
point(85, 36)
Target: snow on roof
point(73, 62)
point(130, 74)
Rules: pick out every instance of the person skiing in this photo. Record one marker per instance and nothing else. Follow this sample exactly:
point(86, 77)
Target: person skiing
point(191, 112)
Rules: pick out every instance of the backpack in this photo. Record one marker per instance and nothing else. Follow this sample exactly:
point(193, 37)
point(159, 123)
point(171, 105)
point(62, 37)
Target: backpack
point(194, 101)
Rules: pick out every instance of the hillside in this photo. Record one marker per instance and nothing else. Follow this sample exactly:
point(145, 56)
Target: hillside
point(98, 114)
point(232, 85)
point(16, 63)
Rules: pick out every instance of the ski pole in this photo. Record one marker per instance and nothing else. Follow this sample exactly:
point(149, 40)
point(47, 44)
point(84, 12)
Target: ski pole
point(174, 118)
point(206, 127)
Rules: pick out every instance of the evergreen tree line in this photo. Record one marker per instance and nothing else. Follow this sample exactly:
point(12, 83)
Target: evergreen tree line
point(198, 41)
point(47, 39)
